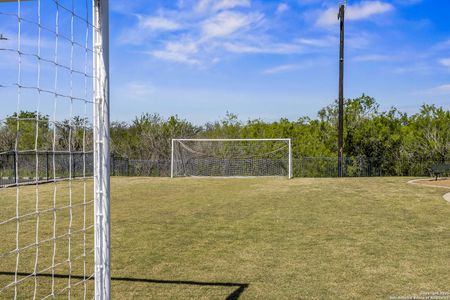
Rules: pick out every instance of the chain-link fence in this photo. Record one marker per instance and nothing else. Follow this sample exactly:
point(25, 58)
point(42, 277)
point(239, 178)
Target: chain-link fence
point(361, 167)
point(122, 166)
point(61, 165)
point(29, 167)
point(303, 167)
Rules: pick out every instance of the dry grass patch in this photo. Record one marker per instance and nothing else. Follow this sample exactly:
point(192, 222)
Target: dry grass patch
point(437, 183)
point(269, 238)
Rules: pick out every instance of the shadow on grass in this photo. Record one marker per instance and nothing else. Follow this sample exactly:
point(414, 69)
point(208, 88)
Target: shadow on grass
point(240, 287)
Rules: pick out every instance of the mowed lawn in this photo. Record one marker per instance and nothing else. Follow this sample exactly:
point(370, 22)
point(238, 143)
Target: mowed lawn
point(272, 238)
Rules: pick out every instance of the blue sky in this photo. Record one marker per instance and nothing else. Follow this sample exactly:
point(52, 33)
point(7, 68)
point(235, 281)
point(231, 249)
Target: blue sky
point(273, 58)
point(270, 59)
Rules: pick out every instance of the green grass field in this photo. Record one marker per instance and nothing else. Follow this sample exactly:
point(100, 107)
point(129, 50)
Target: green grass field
point(355, 238)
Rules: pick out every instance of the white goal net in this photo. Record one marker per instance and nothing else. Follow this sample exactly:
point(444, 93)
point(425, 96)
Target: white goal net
point(231, 157)
point(54, 149)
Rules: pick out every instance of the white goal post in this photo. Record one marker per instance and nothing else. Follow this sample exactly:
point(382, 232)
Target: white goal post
point(245, 157)
point(54, 60)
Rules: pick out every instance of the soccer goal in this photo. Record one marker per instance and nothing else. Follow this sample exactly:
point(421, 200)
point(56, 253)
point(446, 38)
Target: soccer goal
point(231, 157)
point(54, 149)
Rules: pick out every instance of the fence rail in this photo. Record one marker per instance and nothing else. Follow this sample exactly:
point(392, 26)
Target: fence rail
point(29, 167)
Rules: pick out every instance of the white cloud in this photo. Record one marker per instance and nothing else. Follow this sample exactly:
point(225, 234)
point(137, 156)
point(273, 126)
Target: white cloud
point(442, 46)
point(182, 47)
point(158, 23)
point(180, 52)
point(148, 26)
point(328, 17)
point(445, 62)
point(280, 48)
point(228, 22)
point(439, 90)
point(300, 65)
point(175, 57)
point(201, 38)
point(282, 7)
point(372, 58)
point(318, 42)
point(202, 5)
point(281, 69)
point(355, 12)
point(228, 4)
point(408, 2)
point(202, 32)
point(367, 9)
point(136, 91)
point(217, 5)
point(417, 68)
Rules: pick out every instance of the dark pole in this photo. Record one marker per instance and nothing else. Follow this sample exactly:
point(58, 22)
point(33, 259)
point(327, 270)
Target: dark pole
point(16, 178)
point(341, 92)
point(74, 166)
point(47, 166)
point(113, 166)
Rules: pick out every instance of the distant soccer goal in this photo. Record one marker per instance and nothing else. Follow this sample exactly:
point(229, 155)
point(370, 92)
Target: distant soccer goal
point(231, 157)
point(54, 149)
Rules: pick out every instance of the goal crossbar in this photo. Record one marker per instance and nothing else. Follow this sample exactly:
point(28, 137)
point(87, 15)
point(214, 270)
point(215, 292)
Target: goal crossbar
point(232, 140)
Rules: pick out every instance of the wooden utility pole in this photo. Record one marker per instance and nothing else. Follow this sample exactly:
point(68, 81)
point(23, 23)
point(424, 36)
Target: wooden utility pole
point(341, 17)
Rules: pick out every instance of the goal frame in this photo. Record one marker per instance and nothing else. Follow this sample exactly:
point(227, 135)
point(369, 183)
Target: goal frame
point(288, 140)
point(101, 122)
point(101, 119)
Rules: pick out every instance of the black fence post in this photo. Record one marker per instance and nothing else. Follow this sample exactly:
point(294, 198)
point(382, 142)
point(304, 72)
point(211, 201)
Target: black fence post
point(47, 166)
point(74, 170)
point(302, 166)
point(113, 169)
point(15, 167)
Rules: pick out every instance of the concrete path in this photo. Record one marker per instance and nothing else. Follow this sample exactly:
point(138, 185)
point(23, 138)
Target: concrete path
point(417, 182)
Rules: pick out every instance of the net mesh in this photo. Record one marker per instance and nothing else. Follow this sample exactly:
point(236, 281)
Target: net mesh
point(46, 214)
point(230, 158)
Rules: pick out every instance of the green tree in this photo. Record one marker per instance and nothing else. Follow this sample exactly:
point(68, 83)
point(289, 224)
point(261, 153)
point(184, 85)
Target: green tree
point(30, 129)
point(428, 134)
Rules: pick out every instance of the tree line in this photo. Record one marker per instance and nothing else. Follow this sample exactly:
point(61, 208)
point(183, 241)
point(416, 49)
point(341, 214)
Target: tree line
point(370, 132)
point(386, 136)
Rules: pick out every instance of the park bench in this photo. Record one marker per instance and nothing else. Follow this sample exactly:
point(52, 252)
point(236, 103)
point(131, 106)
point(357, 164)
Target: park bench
point(440, 170)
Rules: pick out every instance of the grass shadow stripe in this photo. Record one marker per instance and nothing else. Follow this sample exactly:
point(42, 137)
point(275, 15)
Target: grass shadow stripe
point(241, 287)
